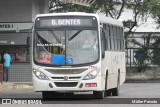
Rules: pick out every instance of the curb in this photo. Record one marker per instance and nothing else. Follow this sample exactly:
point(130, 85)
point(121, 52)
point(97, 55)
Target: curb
point(142, 81)
point(15, 86)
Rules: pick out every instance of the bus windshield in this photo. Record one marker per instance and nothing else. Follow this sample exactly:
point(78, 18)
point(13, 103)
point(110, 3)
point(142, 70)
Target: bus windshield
point(65, 47)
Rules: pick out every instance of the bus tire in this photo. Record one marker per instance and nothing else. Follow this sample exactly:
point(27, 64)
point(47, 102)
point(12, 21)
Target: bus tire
point(115, 91)
point(48, 95)
point(108, 92)
point(99, 94)
point(45, 95)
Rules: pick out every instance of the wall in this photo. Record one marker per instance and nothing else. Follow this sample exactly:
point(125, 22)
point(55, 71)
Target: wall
point(39, 7)
point(15, 10)
point(22, 10)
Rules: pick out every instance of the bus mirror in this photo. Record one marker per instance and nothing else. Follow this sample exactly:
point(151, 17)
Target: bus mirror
point(28, 41)
point(103, 54)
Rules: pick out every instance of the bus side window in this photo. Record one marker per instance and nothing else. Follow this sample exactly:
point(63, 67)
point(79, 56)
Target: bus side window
point(103, 42)
point(107, 37)
point(115, 38)
point(111, 37)
point(121, 40)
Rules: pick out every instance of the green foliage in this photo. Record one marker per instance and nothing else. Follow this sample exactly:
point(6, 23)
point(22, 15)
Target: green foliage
point(109, 7)
point(57, 6)
point(151, 7)
point(154, 7)
point(114, 8)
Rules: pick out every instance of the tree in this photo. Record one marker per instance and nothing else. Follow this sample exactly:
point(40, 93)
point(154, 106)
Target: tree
point(62, 6)
point(111, 8)
point(154, 9)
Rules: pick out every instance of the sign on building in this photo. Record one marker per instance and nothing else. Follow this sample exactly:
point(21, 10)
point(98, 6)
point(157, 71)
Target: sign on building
point(15, 27)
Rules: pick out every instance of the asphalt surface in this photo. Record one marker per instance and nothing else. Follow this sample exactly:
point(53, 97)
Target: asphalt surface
point(129, 92)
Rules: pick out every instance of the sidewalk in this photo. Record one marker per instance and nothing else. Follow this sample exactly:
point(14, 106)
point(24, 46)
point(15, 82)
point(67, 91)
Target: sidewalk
point(15, 85)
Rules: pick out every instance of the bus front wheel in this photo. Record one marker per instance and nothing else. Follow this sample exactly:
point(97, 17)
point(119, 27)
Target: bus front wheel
point(45, 95)
point(48, 95)
point(99, 94)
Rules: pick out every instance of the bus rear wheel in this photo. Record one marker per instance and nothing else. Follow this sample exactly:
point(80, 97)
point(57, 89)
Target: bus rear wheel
point(99, 94)
point(108, 92)
point(115, 91)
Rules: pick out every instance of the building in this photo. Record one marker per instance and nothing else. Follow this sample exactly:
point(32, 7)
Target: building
point(16, 21)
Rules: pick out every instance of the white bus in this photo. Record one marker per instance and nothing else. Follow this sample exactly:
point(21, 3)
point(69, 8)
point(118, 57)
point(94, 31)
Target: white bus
point(77, 52)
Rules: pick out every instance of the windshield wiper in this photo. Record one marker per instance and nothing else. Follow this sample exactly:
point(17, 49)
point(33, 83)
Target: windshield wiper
point(55, 36)
point(75, 35)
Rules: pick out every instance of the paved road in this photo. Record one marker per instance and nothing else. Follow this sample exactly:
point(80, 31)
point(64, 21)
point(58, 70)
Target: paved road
point(128, 90)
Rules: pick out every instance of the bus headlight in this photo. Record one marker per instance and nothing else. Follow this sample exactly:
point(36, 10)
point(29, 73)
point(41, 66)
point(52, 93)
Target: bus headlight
point(40, 75)
point(91, 75)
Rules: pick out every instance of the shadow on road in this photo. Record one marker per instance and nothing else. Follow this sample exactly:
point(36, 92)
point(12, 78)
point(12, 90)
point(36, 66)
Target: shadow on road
point(73, 99)
point(64, 97)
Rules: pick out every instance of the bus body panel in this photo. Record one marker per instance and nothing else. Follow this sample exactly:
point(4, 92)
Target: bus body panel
point(113, 62)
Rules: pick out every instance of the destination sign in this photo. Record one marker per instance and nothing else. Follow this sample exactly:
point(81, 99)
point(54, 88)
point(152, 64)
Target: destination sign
point(66, 22)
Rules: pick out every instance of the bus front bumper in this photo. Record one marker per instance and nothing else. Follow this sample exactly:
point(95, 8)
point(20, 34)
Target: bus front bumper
point(68, 86)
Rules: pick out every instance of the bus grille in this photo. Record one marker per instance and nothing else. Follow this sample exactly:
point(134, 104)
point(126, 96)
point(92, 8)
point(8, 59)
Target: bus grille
point(66, 84)
point(62, 78)
point(66, 71)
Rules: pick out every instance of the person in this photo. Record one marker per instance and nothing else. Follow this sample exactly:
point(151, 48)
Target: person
point(1, 57)
point(6, 65)
point(90, 42)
